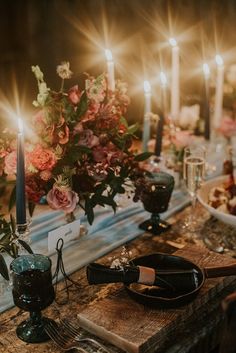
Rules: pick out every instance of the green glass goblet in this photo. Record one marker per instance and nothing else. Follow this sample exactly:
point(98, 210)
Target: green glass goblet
point(32, 291)
point(155, 196)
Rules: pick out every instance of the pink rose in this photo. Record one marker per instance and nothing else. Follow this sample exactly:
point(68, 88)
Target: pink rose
point(228, 126)
point(62, 198)
point(10, 163)
point(182, 139)
point(88, 139)
point(74, 95)
point(43, 158)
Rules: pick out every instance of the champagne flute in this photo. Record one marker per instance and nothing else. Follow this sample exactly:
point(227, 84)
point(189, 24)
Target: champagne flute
point(194, 173)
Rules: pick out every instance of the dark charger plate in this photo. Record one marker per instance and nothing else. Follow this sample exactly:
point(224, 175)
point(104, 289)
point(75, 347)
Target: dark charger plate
point(161, 298)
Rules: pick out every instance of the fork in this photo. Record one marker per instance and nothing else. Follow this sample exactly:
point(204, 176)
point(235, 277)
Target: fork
point(74, 332)
point(62, 341)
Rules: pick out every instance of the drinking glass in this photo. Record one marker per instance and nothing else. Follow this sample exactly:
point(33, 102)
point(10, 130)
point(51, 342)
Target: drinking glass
point(193, 173)
point(32, 291)
point(156, 190)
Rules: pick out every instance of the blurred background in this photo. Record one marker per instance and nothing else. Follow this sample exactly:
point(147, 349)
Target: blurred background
point(47, 32)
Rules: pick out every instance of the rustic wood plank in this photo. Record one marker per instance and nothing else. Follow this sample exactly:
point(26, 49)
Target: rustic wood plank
point(138, 329)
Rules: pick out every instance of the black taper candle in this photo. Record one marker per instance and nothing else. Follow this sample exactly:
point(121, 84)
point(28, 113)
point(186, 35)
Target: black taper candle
point(160, 125)
point(20, 179)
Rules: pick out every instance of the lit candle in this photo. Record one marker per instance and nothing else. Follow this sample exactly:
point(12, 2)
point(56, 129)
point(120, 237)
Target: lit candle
point(174, 79)
point(219, 90)
point(163, 83)
point(206, 106)
point(20, 178)
point(161, 114)
point(110, 70)
point(147, 111)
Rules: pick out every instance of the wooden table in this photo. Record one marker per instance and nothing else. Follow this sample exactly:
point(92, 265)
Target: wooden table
point(202, 336)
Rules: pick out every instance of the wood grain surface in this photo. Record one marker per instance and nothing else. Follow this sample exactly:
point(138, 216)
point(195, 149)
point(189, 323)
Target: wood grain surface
point(136, 328)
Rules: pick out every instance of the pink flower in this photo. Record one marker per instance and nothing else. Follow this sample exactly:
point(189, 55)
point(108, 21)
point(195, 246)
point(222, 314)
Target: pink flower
point(96, 89)
point(59, 132)
point(34, 188)
point(182, 139)
point(42, 158)
point(115, 157)
point(100, 153)
point(88, 139)
point(45, 175)
point(40, 121)
point(228, 126)
point(98, 171)
point(10, 163)
point(62, 198)
point(74, 95)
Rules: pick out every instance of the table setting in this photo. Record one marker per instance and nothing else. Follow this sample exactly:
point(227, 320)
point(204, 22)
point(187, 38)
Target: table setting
point(119, 237)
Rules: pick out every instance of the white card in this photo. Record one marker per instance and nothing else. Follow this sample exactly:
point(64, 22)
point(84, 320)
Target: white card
point(67, 232)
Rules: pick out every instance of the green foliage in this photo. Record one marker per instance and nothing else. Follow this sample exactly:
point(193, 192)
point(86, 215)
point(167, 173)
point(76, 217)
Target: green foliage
point(8, 243)
point(143, 156)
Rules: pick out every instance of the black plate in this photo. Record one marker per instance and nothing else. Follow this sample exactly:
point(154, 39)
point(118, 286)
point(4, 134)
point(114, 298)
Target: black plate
point(161, 298)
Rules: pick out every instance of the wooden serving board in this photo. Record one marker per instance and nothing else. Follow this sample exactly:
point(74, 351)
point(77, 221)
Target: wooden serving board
point(135, 328)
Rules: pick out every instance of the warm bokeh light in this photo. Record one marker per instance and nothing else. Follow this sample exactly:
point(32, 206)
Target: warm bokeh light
point(206, 70)
point(163, 78)
point(219, 60)
point(147, 87)
point(108, 55)
point(173, 42)
point(20, 124)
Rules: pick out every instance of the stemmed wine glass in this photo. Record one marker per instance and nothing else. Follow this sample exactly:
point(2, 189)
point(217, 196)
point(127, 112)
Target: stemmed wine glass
point(32, 291)
point(193, 173)
point(155, 193)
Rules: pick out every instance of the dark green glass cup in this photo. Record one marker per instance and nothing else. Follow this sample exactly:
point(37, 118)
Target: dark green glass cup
point(32, 291)
point(155, 196)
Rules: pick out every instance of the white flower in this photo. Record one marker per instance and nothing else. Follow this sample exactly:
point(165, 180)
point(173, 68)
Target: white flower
point(64, 71)
point(189, 115)
point(41, 99)
point(38, 73)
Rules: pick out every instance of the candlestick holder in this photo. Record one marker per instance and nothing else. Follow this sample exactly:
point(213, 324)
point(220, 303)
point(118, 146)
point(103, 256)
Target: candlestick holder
point(23, 238)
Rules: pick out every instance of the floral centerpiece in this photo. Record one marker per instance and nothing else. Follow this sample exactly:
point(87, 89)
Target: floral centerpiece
point(80, 153)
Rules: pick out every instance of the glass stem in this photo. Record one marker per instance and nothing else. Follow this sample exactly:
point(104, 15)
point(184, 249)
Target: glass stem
point(35, 316)
point(193, 208)
point(155, 218)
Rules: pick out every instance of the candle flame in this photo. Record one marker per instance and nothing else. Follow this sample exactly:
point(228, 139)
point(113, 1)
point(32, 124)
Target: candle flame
point(206, 70)
point(20, 125)
point(147, 86)
point(219, 60)
point(108, 54)
point(173, 42)
point(163, 78)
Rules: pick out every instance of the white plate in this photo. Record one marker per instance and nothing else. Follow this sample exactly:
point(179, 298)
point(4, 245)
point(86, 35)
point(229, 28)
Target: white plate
point(203, 195)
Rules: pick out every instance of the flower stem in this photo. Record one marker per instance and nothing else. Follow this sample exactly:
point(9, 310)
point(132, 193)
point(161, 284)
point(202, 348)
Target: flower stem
point(62, 85)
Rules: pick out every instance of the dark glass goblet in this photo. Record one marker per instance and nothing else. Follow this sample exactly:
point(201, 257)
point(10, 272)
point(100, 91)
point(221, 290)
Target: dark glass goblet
point(155, 196)
point(32, 291)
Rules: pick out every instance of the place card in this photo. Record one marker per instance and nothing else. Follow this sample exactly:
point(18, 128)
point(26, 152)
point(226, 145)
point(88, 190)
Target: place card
point(68, 232)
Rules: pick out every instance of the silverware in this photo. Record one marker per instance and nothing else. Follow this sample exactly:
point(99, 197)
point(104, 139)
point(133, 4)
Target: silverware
point(74, 332)
point(61, 340)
